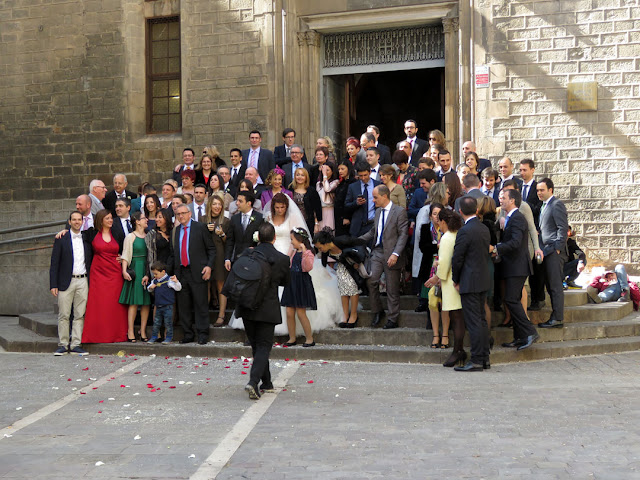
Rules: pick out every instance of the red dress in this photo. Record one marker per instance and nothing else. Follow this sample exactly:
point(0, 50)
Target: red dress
point(105, 320)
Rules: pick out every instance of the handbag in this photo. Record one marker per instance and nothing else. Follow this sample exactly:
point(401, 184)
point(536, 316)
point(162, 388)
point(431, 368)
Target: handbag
point(437, 291)
point(132, 273)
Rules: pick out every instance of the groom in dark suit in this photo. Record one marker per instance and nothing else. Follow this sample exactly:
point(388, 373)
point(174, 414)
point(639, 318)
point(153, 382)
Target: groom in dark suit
point(192, 256)
point(359, 202)
point(516, 267)
point(470, 275)
point(389, 237)
point(243, 225)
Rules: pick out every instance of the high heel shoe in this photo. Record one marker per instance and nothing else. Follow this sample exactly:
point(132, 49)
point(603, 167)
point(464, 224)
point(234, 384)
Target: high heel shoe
point(131, 340)
point(142, 339)
point(456, 357)
point(435, 344)
point(442, 344)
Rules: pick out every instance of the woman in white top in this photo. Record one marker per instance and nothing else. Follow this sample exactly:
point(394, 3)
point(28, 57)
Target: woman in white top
point(326, 187)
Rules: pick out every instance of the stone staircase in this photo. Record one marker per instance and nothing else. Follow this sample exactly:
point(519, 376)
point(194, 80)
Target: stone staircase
point(589, 329)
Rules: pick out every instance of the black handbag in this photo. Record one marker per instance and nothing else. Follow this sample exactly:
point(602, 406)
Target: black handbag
point(132, 273)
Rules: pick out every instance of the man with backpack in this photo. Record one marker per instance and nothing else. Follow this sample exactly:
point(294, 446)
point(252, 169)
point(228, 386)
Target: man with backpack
point(257, 302)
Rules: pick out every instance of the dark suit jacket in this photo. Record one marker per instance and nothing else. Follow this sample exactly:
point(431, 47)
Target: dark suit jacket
point(109, 201)
point(483, 163)
point(534, 202)
point(312, 206)
point(237, 240)
point(61, 267)
point(357, 212)
point(269, 311)
point(496, 194)
point(266, 163)
point(419, 147)
point(554, 226)
point(513, 249)
point(394, 236)
point(280, 155)
point(288, 173)
point(202, 251)
point(469, 267)
point(518, 181)
point(385, 155)
point(118, 232)
point(475, 193)
point(239, 176)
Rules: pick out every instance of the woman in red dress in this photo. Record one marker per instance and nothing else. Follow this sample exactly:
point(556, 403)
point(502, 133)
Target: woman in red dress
point(105, 320)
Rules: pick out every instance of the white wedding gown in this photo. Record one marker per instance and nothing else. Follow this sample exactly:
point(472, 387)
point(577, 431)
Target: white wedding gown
point(325, 282)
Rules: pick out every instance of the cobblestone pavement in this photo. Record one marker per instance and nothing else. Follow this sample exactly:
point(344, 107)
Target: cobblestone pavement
point(156, 417)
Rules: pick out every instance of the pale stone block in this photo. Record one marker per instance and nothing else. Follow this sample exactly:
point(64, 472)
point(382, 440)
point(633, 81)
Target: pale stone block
point(566, 42)
point(534, 120)
point(525, 34)
point(576, 153)
point(552, 56)
point(517, 108)
point(564, 67)
point(522, 133)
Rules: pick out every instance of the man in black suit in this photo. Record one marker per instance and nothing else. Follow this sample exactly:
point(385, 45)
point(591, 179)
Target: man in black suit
point(198, 207)
point(282, 153)
point(470, 275)
point(297, 161)
point(257, 157)
point(122, 221)
point(237, 168)
point(444, 160)
point(69, 281)
point(359, 202)
point(530, 196)
point(260, 323)
point(119, 191)
point(554, 227)
point(471, 184)
point(418, 146)
point(253, 176)
point(385, 153)
point(225, 174)
point(505, 167)
point(192, 256)
point(188, 158)
point(243, 225)
point(516, 267)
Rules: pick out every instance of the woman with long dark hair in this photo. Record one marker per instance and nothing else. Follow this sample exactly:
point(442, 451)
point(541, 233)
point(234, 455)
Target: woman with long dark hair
point(346, 176)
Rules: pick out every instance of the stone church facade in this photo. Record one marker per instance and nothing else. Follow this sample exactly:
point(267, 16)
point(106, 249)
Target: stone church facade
point(94, 87)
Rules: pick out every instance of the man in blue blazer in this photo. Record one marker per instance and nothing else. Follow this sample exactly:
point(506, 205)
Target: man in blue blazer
point(359, 202)
point(69, 282)
point(470, 275)
point(296, 161)
point(259, 158)
point(282, 153)
point(516, 267)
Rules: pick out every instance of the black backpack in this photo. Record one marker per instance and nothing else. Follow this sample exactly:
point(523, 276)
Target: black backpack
point(248, 280)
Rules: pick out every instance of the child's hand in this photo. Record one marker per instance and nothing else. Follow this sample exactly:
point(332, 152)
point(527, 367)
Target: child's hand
point(174, 279)
point(152, 286)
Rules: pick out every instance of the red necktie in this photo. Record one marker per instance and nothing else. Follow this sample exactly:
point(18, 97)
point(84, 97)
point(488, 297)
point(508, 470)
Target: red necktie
point(184, 259)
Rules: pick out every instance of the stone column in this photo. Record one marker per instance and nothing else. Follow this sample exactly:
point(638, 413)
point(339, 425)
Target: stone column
point(309, 103)
point(466, 71)
point(451, 86)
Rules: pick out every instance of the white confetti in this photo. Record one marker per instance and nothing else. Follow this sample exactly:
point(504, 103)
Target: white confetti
point(136, 394)
point(6, 435)
point(54, 388)
point(152, 355)
point(99, 463)
point(137, 437)
point(138, 411)
point(189, 383)
point(92, 379)
point(18, 408)
point(342, 388)
point(127, 418)
point(337, 395)
point(188, 356)
point(181, 382)
point(126, 405)
point(111, 399)
point(74, 389)
point(192, 456)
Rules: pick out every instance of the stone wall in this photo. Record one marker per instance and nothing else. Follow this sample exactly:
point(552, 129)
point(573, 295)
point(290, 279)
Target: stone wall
point(534, 49)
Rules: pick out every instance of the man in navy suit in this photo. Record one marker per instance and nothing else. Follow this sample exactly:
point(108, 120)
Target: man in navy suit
point(297, 161)
point(385, 153)
point(237, 168)
point(554, 227)
point(359, 202)
point(516, 267)
point(191, 259)
point(119, 191)
point(69, 281)
point(282, 153)
point(257, 157)
point(188, 157)
point(470, 275)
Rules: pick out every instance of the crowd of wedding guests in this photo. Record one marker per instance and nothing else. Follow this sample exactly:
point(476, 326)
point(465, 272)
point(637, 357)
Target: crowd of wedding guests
point(462, 235)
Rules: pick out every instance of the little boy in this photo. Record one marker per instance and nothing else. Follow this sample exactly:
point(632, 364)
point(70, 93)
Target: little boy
point(163, 287)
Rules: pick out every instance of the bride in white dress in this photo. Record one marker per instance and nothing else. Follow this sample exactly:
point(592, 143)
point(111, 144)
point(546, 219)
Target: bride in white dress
point(325, 282)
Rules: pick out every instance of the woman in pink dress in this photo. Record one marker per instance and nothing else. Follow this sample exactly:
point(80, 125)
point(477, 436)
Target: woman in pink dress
point(106, 319)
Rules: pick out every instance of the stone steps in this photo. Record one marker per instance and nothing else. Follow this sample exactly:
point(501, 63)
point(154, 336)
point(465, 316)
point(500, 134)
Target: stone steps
point(15, 338)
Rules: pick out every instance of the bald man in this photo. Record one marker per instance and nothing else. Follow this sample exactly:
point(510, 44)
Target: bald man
point(469, 146)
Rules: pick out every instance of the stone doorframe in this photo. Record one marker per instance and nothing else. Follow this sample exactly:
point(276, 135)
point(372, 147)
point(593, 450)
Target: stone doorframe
point(308, 77)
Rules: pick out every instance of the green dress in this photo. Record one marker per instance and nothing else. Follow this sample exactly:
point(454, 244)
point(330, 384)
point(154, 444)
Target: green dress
point(133, 292)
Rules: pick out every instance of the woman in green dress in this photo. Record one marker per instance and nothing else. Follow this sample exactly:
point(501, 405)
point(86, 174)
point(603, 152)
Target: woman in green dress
point(134, 291)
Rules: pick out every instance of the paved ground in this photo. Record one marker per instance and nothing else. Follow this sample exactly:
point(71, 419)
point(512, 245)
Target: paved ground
point(119, 417)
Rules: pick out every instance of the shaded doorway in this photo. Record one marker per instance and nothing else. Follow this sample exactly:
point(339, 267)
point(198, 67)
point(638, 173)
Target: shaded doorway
point(386, 99)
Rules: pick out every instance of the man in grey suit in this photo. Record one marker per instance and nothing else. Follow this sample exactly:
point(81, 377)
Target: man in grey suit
point(554, 226)
point(471, 184)
point(389, 235)
point(257, 157)
point(97, 192)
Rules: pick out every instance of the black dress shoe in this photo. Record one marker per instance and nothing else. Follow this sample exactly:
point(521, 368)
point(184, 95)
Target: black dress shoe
point(535, 306)
point(470, 367)
point(530, 340)
point(486, 365)
point(551, 323)
point(203, 341)
point(186, 340)
point(421, 308)
point(389, 325)
point(377, 318)
point(512, 344)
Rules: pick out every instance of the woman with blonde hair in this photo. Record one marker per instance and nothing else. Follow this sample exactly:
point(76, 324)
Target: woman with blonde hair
point(213, 152)
point(219, 226)
point(307, 199)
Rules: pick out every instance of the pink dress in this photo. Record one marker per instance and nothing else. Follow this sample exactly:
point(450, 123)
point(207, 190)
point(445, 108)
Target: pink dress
point(105, 320)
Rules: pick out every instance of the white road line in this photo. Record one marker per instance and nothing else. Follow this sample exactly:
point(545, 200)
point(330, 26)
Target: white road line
point(241, 430)
point(52, 407)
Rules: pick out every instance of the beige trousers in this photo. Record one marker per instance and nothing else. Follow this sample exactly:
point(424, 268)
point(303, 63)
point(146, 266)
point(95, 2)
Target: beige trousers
point(76, 296)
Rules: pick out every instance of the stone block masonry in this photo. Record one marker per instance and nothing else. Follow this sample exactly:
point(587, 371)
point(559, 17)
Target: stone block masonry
point(591, 156)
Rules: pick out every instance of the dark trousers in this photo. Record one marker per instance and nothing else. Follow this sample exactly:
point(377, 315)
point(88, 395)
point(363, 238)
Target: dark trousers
point(260, 336)
point(476, 323)
point(553, 276)
point(522, 327)
point(536, 282)
point(497, 287)
point(192, 300)
point(570, 270)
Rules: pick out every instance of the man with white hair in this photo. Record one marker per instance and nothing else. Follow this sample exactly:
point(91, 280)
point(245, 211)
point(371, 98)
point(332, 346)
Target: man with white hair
point(119, 191)
point(97, 191)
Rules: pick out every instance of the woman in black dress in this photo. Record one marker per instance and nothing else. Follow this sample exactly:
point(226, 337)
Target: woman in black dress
point(346, 176)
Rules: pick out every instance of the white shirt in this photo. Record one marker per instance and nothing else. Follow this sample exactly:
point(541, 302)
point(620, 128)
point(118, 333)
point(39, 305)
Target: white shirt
point(467, 220)
point(79, 267)
point(375, 172)
point(386, 209)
